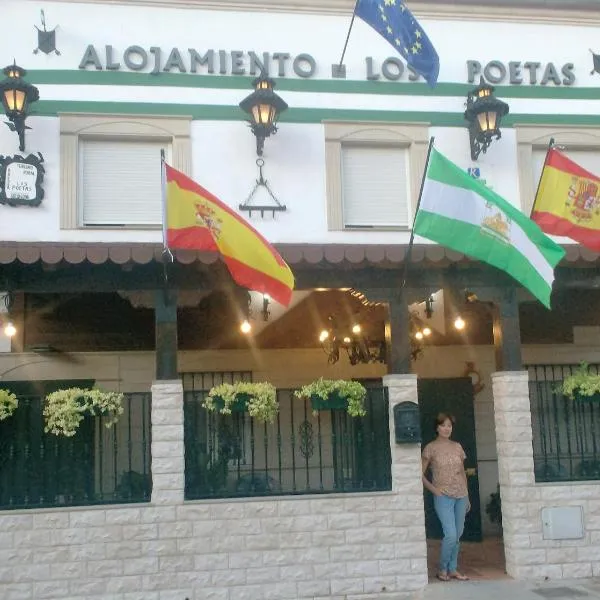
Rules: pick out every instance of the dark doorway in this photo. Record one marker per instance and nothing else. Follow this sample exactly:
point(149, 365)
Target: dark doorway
point(454, 396)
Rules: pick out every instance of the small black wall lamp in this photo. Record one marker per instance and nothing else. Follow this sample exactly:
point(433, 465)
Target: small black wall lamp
point(264, 107)
point(484, 114)
point(16, 95)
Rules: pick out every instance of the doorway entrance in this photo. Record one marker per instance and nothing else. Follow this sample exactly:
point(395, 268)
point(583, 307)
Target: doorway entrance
point(453, 396)
point(480, 559)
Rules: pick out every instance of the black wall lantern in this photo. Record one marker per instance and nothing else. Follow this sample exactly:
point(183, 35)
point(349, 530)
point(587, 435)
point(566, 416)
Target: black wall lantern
point(17, 95)
point(264, 107)
point(484, 114)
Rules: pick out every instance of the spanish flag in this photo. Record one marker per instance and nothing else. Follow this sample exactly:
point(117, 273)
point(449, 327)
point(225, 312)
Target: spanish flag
point(568, 201)
point(197, 220)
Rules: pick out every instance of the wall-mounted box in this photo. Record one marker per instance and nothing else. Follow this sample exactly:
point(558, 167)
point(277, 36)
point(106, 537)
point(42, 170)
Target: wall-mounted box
point(562, 522)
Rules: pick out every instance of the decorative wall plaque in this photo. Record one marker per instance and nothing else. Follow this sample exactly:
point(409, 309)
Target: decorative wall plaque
point(21, 180)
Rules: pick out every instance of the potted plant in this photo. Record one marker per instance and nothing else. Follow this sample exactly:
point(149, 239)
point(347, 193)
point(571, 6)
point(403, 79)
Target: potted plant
point(581, 384)
point(65, 409)
point(8, 404)
point(258, 399)
point(329, 394)
point(494, 507)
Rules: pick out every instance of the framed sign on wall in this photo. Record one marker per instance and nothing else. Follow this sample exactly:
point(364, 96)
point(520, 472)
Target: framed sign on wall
point(21, 180)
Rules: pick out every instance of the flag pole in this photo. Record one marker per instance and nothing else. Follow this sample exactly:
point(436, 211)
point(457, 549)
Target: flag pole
point(167, 256)
point(412, 232)
point(163, 184)
point(348, 34)
point(537, 191)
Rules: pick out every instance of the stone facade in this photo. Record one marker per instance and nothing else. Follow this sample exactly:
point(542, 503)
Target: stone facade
point(342, 547)
point(528, 554)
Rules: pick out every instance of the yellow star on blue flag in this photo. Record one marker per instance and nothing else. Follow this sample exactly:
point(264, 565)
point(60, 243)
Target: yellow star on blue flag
point(393, 20)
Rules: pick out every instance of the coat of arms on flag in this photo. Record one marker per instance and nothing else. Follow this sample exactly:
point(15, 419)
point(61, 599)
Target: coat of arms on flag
point(568, 200)
point(583, 199)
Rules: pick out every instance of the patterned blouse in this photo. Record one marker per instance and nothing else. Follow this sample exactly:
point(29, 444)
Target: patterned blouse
point(446, 461)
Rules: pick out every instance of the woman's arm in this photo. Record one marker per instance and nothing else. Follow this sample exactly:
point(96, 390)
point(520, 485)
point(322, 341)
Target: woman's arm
point(466, 480)
point(426, 482)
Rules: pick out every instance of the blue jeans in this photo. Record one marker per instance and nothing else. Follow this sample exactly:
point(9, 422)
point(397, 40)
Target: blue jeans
point(451, 512)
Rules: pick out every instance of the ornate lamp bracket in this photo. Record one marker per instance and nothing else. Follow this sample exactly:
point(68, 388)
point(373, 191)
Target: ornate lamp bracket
point(276, 206)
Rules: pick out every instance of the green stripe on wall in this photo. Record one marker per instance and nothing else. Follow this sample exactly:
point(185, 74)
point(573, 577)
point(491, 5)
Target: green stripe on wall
point(335, 86)
point(295, 115)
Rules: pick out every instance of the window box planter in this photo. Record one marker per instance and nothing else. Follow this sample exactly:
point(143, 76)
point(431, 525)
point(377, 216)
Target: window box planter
point(259, 400)
point(327, 394)
point(580, 397)
point(333, 402)
point(239, 405)
point(581, 385)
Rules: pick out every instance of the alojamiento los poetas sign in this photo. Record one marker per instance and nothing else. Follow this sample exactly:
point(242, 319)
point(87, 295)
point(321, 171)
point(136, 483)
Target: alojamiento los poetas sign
point(21, 180)
point(155, 60)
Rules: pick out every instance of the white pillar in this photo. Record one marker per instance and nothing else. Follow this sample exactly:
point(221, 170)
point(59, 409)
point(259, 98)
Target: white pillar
point(168, 463)
point(514, 442)
point(406, 474)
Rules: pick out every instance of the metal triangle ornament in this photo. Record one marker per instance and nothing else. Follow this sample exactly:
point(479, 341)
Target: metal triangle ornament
point(46, 39)
point(596, 58)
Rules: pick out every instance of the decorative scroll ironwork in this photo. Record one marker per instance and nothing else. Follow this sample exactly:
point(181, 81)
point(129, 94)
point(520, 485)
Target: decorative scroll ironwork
point(298, 454)
point(307, 446)
point(95, 466)
point(566, 433)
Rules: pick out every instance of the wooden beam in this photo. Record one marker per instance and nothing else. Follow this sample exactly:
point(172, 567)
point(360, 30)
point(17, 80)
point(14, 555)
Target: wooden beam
point(397, 336)
point(507, 331)
point(165, 311)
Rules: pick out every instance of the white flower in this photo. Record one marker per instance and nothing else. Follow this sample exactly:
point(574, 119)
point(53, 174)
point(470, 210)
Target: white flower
point(8, 404)
point(64, 409)
point(353, 391)
point(261, 399)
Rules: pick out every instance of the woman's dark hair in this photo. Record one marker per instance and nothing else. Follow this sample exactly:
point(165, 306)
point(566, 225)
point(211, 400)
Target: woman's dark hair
point(443, 417)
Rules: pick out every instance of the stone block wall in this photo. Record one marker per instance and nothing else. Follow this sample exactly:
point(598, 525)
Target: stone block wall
point(336, 547)
point(528, 554)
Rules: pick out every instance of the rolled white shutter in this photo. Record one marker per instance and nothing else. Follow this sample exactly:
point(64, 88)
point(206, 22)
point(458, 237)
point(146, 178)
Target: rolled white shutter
point(120, 182)
point(375, 186)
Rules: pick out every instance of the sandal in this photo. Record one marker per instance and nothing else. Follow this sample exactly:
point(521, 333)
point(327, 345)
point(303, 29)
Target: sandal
point(443, 577)
point(459, 576)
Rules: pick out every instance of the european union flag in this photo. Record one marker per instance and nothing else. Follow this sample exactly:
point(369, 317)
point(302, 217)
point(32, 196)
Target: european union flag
point(397, 25)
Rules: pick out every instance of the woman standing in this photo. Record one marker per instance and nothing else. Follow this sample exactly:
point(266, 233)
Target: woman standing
point(450, 493)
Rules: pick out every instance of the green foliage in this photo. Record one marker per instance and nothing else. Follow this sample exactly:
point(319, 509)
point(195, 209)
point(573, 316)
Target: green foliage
point(581, 382)
point(64, 409)
point(494, 508)
point(352, 391)
point(262, 399)
point(8, 404)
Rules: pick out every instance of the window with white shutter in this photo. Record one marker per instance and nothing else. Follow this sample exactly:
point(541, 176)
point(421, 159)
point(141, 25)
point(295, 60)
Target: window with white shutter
point(374, 172)
point(375, 186)
point(580, 144)
point(110, 168)
point(120, 182)
point(588, 159)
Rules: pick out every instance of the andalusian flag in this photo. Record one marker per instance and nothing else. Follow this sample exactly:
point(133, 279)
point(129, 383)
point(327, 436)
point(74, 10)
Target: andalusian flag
point(197, 220)
point(568, 201)
point(465, 215)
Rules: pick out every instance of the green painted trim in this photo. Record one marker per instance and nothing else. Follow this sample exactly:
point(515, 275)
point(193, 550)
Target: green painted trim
point(334, 86)
point(296, 115)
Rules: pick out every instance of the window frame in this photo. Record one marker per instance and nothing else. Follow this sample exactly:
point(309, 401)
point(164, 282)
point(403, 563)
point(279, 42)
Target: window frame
point(531, 138)
point(413, 137)
point(175, 131)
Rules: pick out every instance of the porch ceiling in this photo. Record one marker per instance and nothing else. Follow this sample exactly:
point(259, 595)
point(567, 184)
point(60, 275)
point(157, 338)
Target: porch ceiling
point(295, 254)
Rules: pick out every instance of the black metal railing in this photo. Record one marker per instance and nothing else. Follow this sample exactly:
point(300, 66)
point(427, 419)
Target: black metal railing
point(566, 432)
point(98, 465)
point(300, 453)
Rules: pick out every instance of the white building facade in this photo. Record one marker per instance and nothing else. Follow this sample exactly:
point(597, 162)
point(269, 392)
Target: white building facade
point(133, 78)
